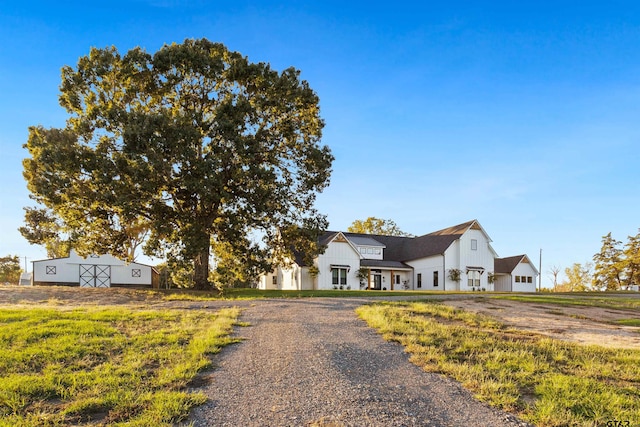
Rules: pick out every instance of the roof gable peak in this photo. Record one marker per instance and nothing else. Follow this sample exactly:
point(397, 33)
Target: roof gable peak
point(459, 229)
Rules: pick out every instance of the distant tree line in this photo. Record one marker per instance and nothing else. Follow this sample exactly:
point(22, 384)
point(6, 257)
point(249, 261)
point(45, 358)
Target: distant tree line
point(615, 267)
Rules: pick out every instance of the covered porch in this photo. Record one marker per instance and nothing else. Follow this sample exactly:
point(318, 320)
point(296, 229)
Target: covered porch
point(385, 275)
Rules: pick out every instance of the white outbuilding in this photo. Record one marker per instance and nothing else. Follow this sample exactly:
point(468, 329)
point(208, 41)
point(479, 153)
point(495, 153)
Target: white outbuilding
point(515, 274)
point(96, 271)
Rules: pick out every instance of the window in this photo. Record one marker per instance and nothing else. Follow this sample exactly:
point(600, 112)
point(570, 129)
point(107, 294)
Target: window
point(397, 282)
point(377, 251)
point(136, 272)
point(435, 278)
point(419, 280)
point(274, 280)
point(369, 250)
point(517, 279)
point(339, 276)
point(474, 245)
point(473, 278)
point(529, 279)
point(51, 269)
point(363, 251)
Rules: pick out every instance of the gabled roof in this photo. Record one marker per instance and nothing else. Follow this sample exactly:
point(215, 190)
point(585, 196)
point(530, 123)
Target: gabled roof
point(401, 249)
point(409, 248)
point(508, 264)
point(460, 229)
point(437, 242)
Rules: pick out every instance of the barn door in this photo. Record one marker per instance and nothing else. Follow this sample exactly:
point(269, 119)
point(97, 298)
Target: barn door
point(95, 276)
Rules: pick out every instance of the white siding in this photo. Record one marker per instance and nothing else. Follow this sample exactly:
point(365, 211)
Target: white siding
point(306, 281)
point(266, 280)
point(482, 256)
point(338, 253)
point(524, 269)
point(288, 279)
point(503, 283)
point(426, 267)
point(64, 272)
point(67, 270)
point(452, 261)
point(125, 275)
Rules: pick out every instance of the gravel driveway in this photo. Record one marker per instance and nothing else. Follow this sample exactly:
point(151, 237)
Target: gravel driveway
point(312, 362)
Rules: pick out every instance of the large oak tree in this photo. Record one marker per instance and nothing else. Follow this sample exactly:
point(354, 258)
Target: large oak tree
point(193, 143)
point(373, 225)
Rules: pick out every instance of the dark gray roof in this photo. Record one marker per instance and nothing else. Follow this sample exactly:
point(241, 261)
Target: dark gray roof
point(364, 240)
point(382, 263)
point(401, 249)
point(508, 264)
point(410, 248)
point(327, 237)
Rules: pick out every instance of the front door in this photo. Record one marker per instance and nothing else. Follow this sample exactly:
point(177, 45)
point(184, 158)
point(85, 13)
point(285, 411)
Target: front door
point(377, 282)
point(95, 276)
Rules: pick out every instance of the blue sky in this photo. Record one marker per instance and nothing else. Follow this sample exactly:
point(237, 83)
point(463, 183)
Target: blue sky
point(523, 115)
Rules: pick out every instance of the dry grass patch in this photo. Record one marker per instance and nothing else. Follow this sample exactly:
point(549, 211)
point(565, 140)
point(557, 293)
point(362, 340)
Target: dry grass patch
point(544, 381)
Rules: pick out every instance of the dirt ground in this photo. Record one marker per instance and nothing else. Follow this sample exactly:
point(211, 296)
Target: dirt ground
point(585, 325)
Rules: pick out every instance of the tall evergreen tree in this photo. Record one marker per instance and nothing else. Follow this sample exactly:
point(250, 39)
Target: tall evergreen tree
point(632, 260)
point(609, 268)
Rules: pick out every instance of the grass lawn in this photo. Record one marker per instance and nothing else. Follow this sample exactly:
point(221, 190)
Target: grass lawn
point(614, 300)
point(246, 293)
point(107, 366)
point(544, 381)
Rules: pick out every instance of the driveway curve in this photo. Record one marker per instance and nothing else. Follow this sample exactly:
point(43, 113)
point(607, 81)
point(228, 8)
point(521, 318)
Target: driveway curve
point(312, 362)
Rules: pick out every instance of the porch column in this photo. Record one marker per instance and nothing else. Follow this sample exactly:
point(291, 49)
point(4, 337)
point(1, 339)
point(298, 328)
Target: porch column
point(369, 281)
point(393, 280)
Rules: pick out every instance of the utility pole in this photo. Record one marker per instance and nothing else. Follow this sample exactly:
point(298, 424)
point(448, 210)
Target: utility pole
point(540, 272)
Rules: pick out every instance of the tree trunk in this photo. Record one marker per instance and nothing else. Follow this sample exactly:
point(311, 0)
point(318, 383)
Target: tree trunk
point(201, 270)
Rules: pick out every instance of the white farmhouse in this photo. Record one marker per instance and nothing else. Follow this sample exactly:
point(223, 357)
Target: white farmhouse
point(458, 258)
point(96, 271)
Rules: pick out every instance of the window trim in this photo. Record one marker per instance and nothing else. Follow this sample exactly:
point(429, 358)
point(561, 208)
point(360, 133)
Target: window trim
point(473, 278)
point(339, 279)
point(474, 244)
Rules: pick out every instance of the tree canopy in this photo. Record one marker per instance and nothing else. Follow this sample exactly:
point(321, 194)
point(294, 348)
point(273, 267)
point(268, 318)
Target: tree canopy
point(373, 225)
point(616, 266)
point(10, 269)
point(191, 144)
point(578, 278)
